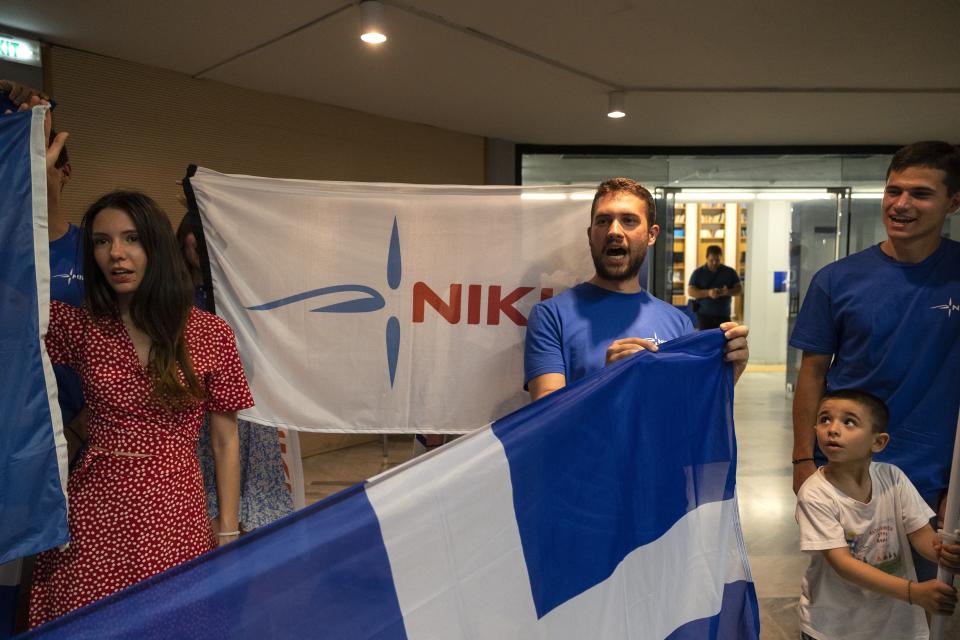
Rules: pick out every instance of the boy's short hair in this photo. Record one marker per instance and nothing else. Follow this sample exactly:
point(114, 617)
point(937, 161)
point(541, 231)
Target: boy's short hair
point(932, 154)
point(877, 408)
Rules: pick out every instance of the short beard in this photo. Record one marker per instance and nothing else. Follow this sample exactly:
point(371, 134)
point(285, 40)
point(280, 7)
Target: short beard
point(631, 272)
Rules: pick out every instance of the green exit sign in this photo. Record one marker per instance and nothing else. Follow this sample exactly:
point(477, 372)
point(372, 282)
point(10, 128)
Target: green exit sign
point(20, 50)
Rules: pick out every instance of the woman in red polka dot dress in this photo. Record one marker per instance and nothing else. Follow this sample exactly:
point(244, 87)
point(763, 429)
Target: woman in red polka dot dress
point(152, 365)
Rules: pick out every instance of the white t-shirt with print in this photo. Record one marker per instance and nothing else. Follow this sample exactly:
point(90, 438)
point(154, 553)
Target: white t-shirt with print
point(832, 608)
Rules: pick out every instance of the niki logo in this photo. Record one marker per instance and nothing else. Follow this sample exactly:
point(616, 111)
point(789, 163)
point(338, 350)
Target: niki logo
point(70, 276)
point(500, 303)
point(369, 300)
point(950, 307)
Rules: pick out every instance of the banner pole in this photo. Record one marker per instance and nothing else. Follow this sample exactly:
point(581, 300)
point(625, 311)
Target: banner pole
point(949, 533)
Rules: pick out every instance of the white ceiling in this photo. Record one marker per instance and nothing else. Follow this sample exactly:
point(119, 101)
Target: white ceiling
point(741, 72)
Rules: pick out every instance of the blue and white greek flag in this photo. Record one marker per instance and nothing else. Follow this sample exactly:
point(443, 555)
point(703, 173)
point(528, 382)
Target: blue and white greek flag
point(606, 510)
point(32, 450)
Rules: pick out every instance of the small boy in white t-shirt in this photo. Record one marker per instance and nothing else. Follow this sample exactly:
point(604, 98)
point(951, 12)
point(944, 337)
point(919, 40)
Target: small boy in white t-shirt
point(858, 519)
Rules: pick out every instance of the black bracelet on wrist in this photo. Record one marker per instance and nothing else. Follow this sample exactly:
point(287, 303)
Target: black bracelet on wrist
point(799, 460)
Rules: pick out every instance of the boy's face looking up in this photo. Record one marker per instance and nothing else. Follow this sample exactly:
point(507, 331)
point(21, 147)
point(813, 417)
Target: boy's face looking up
point(845, 431)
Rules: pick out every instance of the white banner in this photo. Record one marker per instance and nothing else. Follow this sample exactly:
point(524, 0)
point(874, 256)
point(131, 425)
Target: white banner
point(386, 308)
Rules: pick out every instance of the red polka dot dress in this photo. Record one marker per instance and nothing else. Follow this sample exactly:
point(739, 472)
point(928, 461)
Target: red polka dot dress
point(132, 517)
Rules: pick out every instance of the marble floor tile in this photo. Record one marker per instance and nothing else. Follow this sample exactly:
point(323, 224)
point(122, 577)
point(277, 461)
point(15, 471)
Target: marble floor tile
point(762, 412)
point(325, 474)
point(778, 619)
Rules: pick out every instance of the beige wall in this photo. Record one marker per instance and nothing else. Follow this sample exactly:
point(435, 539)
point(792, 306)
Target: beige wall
point(133, 126)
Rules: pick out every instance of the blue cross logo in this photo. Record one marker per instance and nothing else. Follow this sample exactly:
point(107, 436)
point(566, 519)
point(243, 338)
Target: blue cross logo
point(368, 301)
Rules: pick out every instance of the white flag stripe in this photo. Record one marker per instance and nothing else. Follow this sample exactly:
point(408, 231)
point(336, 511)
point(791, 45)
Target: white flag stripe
point(451, 534)
point(449, 528)
point(662, 585)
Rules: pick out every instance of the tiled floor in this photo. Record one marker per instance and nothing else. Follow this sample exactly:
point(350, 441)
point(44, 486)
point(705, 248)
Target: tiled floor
point(327, 473)
point(764, 436)
point(764, 439)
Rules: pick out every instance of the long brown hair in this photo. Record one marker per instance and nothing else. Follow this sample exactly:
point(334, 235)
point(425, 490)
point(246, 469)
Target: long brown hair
point(161, 304)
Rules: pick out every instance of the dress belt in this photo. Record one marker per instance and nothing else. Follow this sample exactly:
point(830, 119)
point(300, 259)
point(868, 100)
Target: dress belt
point(129, 454)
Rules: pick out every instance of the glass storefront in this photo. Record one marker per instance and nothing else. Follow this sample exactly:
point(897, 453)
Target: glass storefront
point(778, 218)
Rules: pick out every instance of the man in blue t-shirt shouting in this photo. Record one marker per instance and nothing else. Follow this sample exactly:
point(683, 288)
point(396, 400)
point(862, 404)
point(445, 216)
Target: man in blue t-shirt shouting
point(887, 320)
point(610, 317)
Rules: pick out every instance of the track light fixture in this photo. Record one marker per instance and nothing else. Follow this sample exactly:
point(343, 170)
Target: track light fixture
point(371, 22)
point(616, 104)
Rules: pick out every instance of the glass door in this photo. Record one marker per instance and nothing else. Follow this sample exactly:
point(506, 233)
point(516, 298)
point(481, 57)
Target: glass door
point(819, 235)
point(692, 221)
point(776, 240)
point(661, 279)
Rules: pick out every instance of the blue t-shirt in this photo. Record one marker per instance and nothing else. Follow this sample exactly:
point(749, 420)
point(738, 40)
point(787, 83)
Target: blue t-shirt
point(570, 333)
point(895, 331)
point(703, 278)
point(66, 285)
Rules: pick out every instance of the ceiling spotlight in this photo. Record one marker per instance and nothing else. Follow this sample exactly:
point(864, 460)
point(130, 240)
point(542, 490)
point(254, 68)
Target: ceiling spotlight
point(371, 22)
point(616, 104)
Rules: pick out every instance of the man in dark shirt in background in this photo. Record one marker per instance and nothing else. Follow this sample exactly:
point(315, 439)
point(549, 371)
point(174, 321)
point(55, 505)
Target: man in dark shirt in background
point(712, 286)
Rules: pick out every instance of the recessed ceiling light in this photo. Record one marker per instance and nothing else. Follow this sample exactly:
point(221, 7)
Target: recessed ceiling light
point(616, 104)
point(371, 22)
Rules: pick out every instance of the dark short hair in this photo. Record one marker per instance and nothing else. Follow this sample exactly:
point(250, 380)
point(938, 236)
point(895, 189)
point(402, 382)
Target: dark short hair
point(185, 228)
point(64, 157)
point(625, 185)
point(932, 154)
point(877, 408)
point(714, 249)
point(189, 225)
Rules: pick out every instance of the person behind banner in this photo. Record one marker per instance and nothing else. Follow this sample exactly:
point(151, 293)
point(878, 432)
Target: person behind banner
point(151, 365)
point(712, 287)
point(858, 521)
point(885, 319)
point(611, 317)
point(264, 495)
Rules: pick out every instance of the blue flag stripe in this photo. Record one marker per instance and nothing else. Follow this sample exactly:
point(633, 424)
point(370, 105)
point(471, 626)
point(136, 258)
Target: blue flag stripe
point(321, 572)
point(583, 499)
point(32, 469)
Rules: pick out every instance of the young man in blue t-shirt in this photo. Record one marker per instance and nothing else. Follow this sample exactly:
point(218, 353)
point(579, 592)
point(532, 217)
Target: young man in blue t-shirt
point(610, 317)
point(887, 320)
